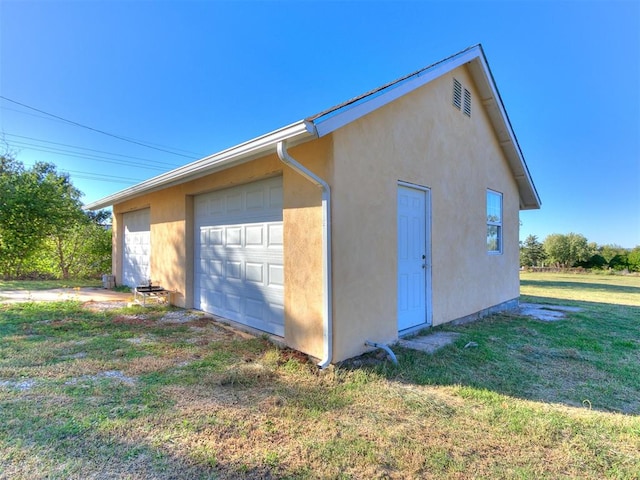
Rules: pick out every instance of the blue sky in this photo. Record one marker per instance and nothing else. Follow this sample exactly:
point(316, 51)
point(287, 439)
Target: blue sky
point(196, 77)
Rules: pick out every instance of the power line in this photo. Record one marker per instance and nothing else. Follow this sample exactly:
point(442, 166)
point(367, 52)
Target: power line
point(71, 122)
point(172, 165)
point(101, 177)
point(30, 114)
point(97, 158)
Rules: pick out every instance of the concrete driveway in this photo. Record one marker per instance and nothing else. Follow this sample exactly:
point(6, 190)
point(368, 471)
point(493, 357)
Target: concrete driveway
point(84, 294)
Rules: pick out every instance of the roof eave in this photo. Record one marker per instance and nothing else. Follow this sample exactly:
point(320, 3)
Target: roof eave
point(492, 101)
point(293, 134)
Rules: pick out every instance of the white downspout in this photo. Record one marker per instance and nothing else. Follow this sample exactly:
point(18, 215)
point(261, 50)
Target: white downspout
point(384, 347)
point(327, 330)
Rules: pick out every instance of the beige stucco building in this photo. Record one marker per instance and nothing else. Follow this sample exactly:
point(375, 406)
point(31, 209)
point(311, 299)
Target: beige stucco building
point(385, 215)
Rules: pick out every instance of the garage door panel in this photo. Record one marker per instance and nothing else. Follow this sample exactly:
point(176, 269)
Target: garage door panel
point(234, 204)
point(255, 310)
point(275, 197)
point(211, 236)
point(255, 199)
point(254, 235)
point(233, 236)
point(276, 276)
point(274, 235)
point(233, 303)
point(276, 313)
point(254, 272)
point(234, 270)
point(239, 239)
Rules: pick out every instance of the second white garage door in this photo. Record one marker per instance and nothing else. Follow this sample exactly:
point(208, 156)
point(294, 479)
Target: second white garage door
point(238, 254)
point(136, 247)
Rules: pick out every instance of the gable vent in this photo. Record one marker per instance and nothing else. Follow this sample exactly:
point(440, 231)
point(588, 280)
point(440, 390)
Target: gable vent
point(467, 103)
point(457, 94)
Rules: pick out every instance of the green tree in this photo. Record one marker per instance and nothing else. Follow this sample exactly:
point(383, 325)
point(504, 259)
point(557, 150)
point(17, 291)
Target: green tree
point(620, 262)
point(35, 204)
point(532, 252)
point(595, 261)
point(83, 249)
point(609, 251)
point(23, 214)
point(633, 259)
point(566, 250)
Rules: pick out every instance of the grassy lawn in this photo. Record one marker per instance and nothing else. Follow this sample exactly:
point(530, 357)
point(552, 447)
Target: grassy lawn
point(161, 394)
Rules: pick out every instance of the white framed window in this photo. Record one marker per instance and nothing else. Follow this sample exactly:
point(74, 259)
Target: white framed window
point(494, 222)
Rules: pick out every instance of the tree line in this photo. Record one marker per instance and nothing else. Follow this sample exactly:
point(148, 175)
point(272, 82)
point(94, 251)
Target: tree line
point(574, 250)
point(44, 232)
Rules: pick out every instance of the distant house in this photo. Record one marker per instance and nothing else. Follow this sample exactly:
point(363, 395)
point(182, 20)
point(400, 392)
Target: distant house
point(387, 214)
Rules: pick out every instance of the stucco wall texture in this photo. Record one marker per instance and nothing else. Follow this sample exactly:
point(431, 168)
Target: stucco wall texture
point(419, 138)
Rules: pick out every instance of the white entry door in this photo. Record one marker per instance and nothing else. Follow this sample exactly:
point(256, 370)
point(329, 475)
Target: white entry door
point(136, 247)
point(414, 257)
point(239, 271)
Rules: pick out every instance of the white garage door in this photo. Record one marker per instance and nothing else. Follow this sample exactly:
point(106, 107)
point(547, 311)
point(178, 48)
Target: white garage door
point(239, 271)
point(136, 247)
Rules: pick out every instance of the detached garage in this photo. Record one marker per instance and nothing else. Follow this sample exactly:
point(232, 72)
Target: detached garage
point(390, 213)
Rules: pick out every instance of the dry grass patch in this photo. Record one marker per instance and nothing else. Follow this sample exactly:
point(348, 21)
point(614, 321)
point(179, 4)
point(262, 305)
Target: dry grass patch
point(164, 397)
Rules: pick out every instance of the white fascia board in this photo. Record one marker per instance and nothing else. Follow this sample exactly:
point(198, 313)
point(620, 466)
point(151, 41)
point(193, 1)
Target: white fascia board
point(347, 114)
point(511, 146)
point(294, 134)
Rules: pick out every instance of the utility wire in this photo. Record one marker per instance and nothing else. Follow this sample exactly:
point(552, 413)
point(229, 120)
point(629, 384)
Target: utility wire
point(97, 158)
point(101, 178)
point(172, 165)
point(97, 176)
point(92, 157)
point(30, 114)
point(96, 130)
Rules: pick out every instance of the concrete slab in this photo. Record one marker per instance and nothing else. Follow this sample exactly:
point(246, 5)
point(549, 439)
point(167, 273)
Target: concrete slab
point(85, 294)
point(429, 343)
point(547, 313)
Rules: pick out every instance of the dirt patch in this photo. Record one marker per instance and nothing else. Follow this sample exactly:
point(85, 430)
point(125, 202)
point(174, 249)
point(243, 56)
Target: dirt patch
point(288, 354)
point(151, 363)
point(110, 374)
point(431, 342)
point(82, 294)
point(134, 320)
point(102, 306)
point(22, 385)
point(74, 356)
point(201, 322)
point(183, 316)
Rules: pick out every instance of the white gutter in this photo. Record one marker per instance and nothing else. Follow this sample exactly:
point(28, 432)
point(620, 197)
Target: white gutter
point(327, 327)
point(295, 133)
